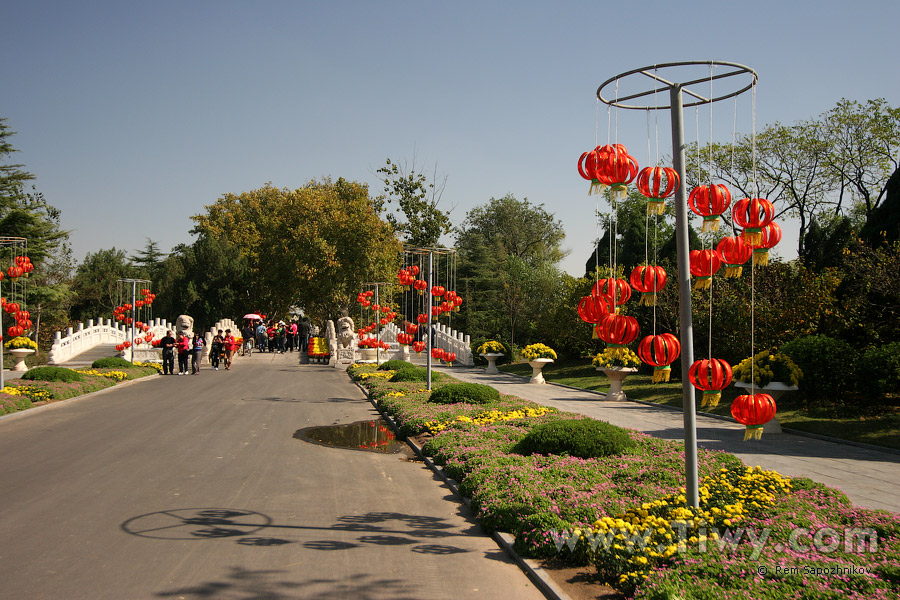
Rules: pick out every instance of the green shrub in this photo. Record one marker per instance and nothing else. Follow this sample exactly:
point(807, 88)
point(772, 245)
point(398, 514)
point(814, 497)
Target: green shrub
point(882, 370)
point(584, 438)
point(473, 393)
point(395, 365)
point(413, 373)
point(828, 364)
point(111, 362)
point(52, 374)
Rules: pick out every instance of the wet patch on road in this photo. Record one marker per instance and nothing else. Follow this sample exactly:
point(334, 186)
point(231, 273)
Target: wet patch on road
point(372, 436)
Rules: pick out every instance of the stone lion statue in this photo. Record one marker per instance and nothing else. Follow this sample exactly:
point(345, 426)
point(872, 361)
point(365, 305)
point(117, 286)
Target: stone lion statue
point(184, 324)
point(346, 332)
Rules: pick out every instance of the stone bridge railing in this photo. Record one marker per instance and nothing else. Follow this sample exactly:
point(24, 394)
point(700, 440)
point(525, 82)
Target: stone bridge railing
point(444, 337)
point(74, 341)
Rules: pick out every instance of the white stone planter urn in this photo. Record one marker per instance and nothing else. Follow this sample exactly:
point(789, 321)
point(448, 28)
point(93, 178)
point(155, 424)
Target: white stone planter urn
point(537, 366)
point(617, 377)
point(775, 389)
point(368, 354)
point(491, 358)
point(20, 354)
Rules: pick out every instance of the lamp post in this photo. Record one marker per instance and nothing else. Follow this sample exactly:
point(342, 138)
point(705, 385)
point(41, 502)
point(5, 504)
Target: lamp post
point(677, 89)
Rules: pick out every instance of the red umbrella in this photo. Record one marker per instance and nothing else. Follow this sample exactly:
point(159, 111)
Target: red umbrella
point(253, 316)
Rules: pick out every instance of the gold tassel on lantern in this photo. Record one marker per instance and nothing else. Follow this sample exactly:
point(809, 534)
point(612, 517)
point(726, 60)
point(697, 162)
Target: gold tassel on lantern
point(711, 399)
point(618, 191)
point(710, 224)
point(760, 257)
point(703, 283)
point(733, 270)
point(753, 432)
point(656, 207)
point(752, 237)
point(597, 187)
point(648, 299)
point(661, 374)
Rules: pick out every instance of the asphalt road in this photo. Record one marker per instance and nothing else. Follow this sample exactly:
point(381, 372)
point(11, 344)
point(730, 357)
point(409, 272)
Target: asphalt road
point(195, 487)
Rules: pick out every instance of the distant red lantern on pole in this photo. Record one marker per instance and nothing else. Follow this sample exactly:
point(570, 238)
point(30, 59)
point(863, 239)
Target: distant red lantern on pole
point(657, 184)
point(709, 201)
point(711, 376)
point(753, 411)
point(769, 238)
point(734, 252)
point(660, 351)
point(648, 279)
point(753, 214)
point(704, 264)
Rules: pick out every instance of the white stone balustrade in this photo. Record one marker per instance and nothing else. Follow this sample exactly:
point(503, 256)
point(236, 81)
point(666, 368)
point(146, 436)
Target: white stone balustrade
point(445, 337)
point(83, 338)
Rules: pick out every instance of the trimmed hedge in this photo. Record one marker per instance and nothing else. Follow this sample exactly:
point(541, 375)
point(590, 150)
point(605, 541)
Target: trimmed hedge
point(395, 365)
point(413, 373)
point(473, 393)
point(52, 374)
point(111, 362)
point(584, 438)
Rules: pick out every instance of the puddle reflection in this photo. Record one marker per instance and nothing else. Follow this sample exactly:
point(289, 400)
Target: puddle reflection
point(373, 436)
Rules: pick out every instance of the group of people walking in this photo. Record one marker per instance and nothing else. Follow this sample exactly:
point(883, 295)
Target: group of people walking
point(278, 336)
point(189, 348)
point(272, 336)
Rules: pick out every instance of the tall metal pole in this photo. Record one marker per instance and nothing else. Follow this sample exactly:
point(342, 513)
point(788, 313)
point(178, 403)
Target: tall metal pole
point(133, 316)
point(377, 328)
point(428, 332)
point(684, 303)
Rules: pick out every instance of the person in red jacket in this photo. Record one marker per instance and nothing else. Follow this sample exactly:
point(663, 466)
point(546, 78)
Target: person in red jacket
point(183, 345)
point(230, 346)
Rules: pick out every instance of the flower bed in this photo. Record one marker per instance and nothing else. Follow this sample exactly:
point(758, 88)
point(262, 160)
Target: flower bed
point(656, 546)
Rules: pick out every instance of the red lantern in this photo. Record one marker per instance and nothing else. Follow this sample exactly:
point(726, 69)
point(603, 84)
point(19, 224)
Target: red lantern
point(709, 201)
point(120, 347)
point(753, 411)
point(437, 291)
point(11, 272)
point(457, 302)
point(14, 331)
point(589, 166)
point(420, 285)
point(418, 346)
point(704, 264)
point(657, 184)
point(446, 306)
point(450, 356)
point(384, 320)
point(412, 328)
point(660, 351)
point(734, 252)
point(770, 236)
point(648, 280)
point(139, 303)
point(614, 291)
point(711, 376)
point(435, 311)
point(148, 337)
point(422, 319)
point(617, 330)
point(592, 309)
point(437, 353)
point(404, 339)
point(753, 214)
point(449, 296)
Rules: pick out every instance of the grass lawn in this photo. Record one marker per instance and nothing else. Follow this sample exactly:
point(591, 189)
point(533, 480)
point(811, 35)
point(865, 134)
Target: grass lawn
point(875, 423)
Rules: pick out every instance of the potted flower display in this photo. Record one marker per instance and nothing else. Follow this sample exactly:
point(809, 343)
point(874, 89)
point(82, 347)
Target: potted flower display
point(20, 347)
point(537, 356)
point(771, 372)
point(617, 364)
point(491, 351)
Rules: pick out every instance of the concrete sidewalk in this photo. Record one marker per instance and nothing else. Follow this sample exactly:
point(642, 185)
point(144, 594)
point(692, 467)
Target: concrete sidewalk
point(869, 477)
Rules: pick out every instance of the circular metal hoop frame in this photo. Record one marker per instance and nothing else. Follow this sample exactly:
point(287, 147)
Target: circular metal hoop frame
point(652, 72)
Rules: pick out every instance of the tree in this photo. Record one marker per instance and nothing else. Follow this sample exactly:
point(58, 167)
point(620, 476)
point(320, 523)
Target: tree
point(312, 247)
point(508, 252)
point(12, 177)
point(417, 200)
point(94, 284)
point(863, 144)
point(149, 260)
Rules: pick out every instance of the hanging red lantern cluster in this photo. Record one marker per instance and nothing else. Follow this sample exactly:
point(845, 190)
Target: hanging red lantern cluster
point(22, 318)
point(734, 252)
point(609, 165)
point(21, 268)
point(704, 264)
point(648, 279)
point(711, 376)
point(660, 351)
point(656, 184)
point(753, 411)
point(709, 201)
point(407, 276)
point(753, 214)
point(364, 298)
point(444, 355)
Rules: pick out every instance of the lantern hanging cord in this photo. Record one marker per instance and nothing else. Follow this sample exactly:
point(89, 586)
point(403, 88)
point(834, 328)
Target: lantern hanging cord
point(697, 133)
point(711, 65)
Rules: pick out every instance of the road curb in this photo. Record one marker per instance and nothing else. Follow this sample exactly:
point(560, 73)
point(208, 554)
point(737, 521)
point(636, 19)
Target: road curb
point(532, 569)
point(67, 401)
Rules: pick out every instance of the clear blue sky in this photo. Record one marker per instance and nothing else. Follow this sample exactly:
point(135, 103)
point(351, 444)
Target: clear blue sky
point(135, 115)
